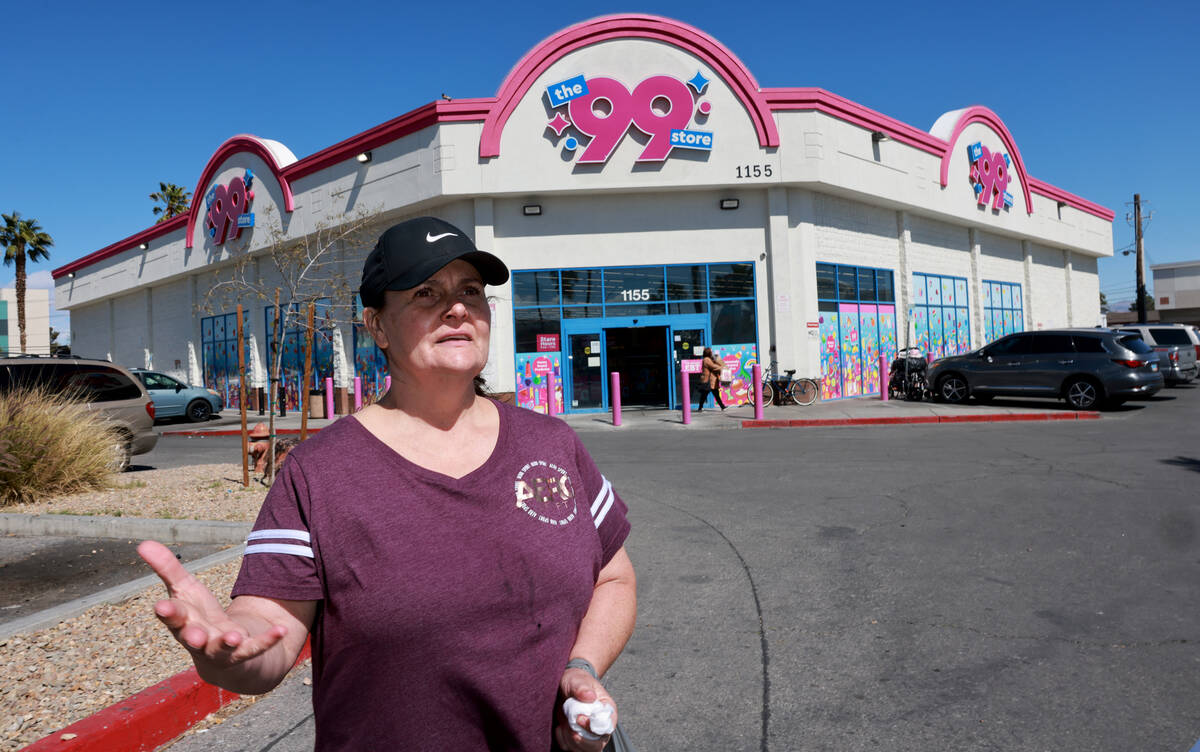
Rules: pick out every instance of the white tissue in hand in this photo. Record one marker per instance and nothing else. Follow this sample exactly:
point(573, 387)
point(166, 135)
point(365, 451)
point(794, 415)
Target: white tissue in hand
point(599, 717)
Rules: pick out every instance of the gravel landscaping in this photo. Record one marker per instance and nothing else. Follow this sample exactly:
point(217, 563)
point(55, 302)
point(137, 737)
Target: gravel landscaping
point(53, 677)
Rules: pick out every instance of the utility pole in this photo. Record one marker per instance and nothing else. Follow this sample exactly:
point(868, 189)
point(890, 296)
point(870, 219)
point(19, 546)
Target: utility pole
point(1141, 276)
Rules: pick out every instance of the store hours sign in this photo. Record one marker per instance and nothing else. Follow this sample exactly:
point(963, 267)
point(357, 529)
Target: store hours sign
point(602, 110)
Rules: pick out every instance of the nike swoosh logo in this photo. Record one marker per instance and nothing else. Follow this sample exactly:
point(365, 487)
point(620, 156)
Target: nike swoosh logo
point(434, 238)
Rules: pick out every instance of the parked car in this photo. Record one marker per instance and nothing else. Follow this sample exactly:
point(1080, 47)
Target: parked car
point(106, 388)
point(1088, 368)
point(1178, 347)
point(173, 398)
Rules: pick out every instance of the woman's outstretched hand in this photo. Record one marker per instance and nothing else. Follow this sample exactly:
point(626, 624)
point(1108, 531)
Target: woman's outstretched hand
point(196, 619)
point(579, 684)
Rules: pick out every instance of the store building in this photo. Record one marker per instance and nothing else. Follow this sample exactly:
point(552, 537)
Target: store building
point(1177, 291)
point(651, 199)
point(37, 322)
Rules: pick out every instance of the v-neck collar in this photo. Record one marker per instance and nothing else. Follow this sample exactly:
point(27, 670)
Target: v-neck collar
point(433, 475)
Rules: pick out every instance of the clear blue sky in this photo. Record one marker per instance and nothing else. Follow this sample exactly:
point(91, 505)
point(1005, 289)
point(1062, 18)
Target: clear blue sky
point(103, 101)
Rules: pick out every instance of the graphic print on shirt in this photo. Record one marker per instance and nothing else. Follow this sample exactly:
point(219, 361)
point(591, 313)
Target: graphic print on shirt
point(544, 492)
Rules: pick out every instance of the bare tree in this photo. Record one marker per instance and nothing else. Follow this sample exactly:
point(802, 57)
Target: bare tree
point(305, 270)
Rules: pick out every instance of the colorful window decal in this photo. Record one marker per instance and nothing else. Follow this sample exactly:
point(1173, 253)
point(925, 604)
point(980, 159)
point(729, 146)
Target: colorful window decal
point(292, 371)
point(857, 327)
point(219, 358)
point(1003, 309)
point(941, 314)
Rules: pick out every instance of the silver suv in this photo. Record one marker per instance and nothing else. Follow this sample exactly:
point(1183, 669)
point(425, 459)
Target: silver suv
point(1086, 367)
point(1177, 345)
point(107, 388)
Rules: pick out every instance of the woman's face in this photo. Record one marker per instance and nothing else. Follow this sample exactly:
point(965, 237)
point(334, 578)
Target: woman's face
point(441, 325)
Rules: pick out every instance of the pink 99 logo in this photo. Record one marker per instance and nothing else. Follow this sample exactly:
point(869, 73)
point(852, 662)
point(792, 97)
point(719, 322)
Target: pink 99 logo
point(990, 174)
point(227, 209)
point(602, 108)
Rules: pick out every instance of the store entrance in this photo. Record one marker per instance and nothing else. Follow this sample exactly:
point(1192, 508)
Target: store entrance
point(640, 355)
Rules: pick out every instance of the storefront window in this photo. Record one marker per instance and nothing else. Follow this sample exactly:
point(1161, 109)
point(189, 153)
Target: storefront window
point(941, 314)
point(847, 283)
point(731, 281)
point(733, 321)
point(582, 312)
point(827, 282)
point(530, 322)
point(1003, 309)
point(535, 288)
point(691, 307)
point(687, 282)
point(857, 327)
point(633, 284)
point(581, 286)
point(644, 309)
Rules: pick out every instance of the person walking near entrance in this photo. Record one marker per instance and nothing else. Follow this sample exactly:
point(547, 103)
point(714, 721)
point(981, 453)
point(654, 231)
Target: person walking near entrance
point(710, 379)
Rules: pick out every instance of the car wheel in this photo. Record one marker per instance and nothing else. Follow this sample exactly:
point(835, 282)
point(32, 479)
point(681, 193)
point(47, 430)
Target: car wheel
point(199, 411)
point(953, 389)
point(1082, 394)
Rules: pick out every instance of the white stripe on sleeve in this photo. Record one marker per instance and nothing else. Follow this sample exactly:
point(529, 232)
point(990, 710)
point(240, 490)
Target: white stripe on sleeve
point(300, 535)
point(280, 548)
point(603, 502)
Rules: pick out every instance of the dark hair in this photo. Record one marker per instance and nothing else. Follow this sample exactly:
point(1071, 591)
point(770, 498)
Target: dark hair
point(707, 352)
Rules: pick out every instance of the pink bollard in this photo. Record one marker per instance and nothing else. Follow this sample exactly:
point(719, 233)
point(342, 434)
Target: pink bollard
point(883, 378)
point(550, 401)
point(758, 398)
point(929, 358)
point(357, 393)
point(387, 383)
point(329, 398)
point(687, 397)
point(615, 397)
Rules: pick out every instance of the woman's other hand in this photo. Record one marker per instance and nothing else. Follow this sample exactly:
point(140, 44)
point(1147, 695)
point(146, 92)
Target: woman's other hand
point(579, 684)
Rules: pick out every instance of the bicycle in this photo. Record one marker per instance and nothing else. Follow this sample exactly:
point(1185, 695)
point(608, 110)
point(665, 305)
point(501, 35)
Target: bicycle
point(787, 389)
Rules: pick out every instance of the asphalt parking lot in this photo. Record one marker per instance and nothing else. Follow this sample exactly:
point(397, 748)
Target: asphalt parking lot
point(1006, 586)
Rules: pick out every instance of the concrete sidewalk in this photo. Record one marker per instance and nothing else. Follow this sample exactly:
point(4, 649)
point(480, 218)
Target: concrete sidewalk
point(855, 411)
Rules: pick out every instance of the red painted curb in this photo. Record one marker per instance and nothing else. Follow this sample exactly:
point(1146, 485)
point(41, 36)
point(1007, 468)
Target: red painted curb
point(238, 432)
point(147, 720)
point(915, 419)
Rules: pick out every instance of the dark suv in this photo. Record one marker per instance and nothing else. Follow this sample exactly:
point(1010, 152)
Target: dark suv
point(1086, 367)
point(107, 389)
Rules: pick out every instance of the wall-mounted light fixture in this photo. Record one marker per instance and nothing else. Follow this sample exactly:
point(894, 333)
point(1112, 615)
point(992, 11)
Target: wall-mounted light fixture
point(364, 157)
point(878, 136)
point(730, 203)
point(143, 246)
point(531, 210)
point(71, 275)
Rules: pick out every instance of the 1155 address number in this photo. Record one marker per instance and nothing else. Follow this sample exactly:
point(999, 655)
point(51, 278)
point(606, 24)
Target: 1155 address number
point(754, 171)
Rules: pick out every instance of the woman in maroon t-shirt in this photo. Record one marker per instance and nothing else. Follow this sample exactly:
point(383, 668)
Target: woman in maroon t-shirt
point(439, 635)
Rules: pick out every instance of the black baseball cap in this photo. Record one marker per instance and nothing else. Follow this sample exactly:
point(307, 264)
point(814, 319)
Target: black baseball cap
point(411, 252)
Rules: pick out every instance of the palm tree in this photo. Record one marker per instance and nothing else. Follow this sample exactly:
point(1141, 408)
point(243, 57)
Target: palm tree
point(21, 239)
point(175, 197)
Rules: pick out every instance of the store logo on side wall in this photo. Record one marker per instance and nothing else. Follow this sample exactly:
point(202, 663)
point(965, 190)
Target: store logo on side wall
point(990, 176)
point(603, 110)
point(227, 208)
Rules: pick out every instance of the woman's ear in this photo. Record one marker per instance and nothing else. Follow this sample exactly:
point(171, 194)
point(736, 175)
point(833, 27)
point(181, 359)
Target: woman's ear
point(373, 325)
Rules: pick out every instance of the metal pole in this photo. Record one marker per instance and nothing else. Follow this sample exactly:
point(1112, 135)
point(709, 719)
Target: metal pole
point(883, 378)
point(1141, 275)
point(615, 397)
point(242, 399)
point(758, 398)
point(686, 390)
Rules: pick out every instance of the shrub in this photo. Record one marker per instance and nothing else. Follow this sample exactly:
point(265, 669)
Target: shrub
point(50, 445)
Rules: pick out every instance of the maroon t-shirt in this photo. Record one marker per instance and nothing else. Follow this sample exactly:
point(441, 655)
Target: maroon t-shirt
point(448, 608)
